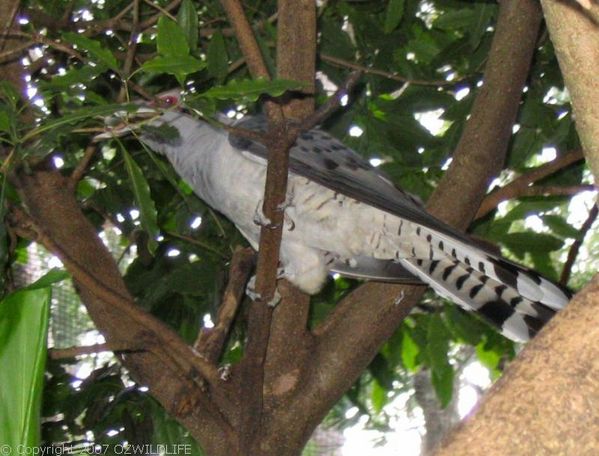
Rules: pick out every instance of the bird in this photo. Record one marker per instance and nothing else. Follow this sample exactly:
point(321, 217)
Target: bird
point(343, 215)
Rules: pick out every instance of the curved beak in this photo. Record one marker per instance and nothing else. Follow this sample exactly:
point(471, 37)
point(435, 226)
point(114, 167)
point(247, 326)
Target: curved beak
point(122, 123)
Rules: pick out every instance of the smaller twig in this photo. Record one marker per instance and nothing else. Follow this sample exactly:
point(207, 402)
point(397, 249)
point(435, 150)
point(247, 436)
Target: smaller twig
point(195, 242)
point(555, 190)
point(72, 352)
point(15, 52)
point(7, 22)
point(140, 90)
point(518, 185)
point(41, 39)
point(229, 31)
point(211, 341)
point(66, 16)
point(82, 166)
point(245, 36)
point(164, 12)
point(108, 24)
point(385, 74)
point(130, 56)
point(333, 103)
point(575, 248)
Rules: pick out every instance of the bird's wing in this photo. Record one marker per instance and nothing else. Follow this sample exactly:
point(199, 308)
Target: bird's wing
point(324, 159)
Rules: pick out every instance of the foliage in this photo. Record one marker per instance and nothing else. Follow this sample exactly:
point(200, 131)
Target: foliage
point(23, 345)
point(179, 268)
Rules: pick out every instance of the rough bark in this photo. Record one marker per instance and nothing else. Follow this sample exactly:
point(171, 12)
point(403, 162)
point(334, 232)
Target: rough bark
point(574, 32)
point(177, 385)
point(296, 56)
point(547, 401)
point(296, 52)
point(481, 150)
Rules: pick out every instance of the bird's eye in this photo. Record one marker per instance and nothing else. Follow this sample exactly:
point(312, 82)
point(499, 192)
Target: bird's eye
point(169, 100)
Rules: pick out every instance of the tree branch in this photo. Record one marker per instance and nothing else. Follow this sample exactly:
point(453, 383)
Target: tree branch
point(131, 49)
point(247, 40)
point(519, 186)
point(336, 61)
point(575, 37)
point(50, 202)
point(373, 312)
point(523, 413)
point(332, 104)
point(83, 165)
point(575, 248)
point(211, 341)
point(72, 352)
point(260, 315)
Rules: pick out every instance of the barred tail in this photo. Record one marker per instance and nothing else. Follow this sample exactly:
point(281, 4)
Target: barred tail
point(514, 299)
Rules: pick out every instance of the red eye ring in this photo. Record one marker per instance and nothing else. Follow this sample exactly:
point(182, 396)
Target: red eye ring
point(170, 100)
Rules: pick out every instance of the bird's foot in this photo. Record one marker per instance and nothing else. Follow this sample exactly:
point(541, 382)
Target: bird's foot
point(288, 199)
point(261, 219)
point(400, 298)
point(224, 372)
point(250, 290)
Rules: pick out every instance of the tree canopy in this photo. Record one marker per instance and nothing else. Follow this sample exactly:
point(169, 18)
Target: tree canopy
point(465, 97)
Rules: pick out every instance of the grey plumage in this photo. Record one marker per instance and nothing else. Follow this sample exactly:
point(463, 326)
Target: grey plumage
point(344, 216)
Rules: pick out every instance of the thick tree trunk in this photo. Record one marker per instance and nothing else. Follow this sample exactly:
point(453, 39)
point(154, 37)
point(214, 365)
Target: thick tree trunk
point(574, 32)
point(547, 401)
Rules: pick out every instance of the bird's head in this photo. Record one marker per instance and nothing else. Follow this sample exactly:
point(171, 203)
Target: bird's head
point(146, 117)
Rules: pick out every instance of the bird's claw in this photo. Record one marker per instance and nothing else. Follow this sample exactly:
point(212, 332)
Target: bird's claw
point(261, 219)
point(250, 290)
point(400, 298)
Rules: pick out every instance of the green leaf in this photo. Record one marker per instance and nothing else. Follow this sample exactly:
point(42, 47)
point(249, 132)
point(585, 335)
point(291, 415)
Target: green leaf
point(463, 325)
point(484, 13)
point(74, 76)
point(217, 58)
point(442, 380)
point(80, 115)
point(437, 341)
point(8, 93)
point(378, 396)
point(560, 226)
point(23, 334)
point(53, 276)
point(437, 347)
point(5, 124)
point(4, 239)
point(207, 106)
point(488, 357)
point(393, 16)
point(251, 89)
point(455, 19)
point(409, 352)
point(96, 50)
point(171, 39)
point(520, 243)
point(187, 18)
point(143, 198)
point(182, 65)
